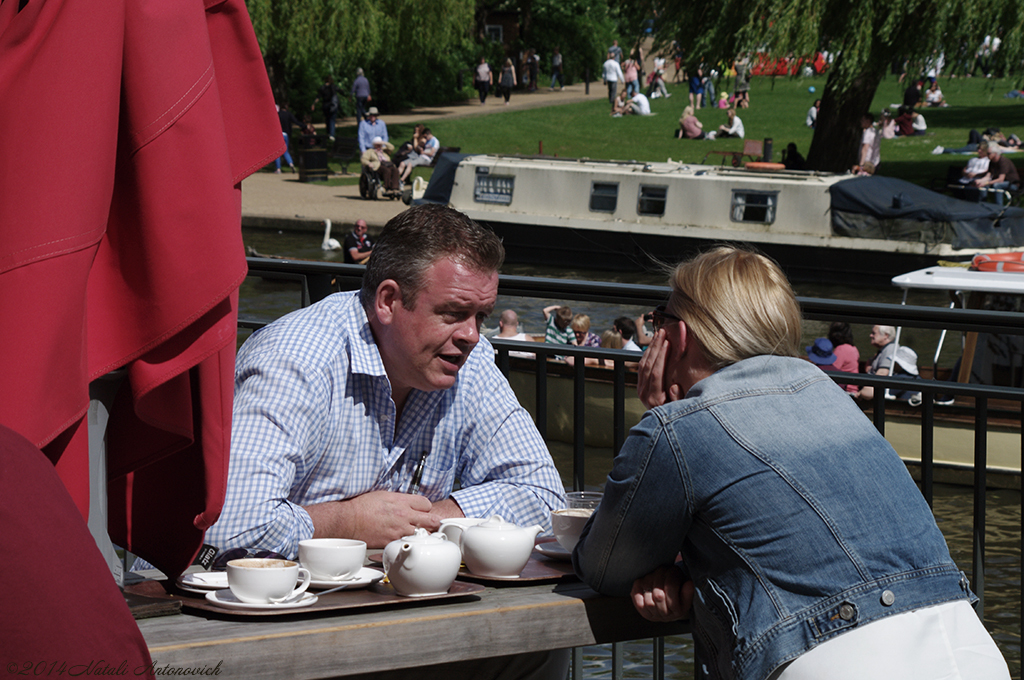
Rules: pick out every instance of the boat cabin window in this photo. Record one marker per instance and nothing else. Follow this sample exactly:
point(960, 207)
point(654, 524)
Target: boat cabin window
point(651, 200)
point(604, 196)
point(754, 206)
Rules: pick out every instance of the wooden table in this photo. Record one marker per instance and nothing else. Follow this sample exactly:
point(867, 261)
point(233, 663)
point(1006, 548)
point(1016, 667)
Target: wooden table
point(496, 621)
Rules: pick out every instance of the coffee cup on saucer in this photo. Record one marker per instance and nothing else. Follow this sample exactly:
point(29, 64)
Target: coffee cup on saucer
point(332, 559)
point(266, 581)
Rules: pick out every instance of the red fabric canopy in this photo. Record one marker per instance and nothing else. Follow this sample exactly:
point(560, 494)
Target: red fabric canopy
point(127, 130)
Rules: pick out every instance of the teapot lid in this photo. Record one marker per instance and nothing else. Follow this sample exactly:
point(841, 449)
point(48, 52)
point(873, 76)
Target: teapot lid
point(497, 523)
point(421, 535)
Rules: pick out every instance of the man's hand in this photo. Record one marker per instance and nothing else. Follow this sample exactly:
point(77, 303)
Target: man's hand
point(651, 386)
point(378, 517)
point(663, 595)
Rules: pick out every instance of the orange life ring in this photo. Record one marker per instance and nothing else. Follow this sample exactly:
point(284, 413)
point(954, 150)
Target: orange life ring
point(999, 262)
point(760, 165)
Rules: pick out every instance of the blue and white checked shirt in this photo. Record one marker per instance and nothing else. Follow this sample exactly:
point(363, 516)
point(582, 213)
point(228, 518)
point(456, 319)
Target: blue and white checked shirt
point(314, 422)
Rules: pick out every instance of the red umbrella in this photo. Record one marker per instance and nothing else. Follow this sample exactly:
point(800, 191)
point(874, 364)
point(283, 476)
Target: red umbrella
point(128, 128)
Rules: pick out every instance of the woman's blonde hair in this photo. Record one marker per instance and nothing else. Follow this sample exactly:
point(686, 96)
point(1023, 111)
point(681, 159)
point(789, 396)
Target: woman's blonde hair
point(581, 322)
point(611, 339)
point(688, 111)
point(737, 304)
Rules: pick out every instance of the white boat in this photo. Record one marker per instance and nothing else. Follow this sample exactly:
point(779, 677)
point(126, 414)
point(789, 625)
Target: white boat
point(624, 215)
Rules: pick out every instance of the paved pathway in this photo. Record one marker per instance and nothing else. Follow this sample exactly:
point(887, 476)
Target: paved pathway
point(283, 202)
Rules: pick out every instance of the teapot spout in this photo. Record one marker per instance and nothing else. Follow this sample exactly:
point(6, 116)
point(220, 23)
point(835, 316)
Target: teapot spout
point(407, 559)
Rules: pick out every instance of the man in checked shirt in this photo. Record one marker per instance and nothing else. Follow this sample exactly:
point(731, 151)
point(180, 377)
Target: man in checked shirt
point(336, 404)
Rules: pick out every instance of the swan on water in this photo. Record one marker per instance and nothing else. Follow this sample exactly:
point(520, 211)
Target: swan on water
point(329, 243)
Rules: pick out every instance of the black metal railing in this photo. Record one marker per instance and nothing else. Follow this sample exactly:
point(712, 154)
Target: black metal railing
point(318, 279)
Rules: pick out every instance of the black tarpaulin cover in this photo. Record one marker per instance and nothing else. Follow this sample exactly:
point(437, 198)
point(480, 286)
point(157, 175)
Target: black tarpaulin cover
point(888, 208)
point(443, 178)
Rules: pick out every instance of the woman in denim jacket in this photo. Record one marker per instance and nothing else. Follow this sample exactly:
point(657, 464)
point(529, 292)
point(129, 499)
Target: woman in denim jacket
point(807, 550)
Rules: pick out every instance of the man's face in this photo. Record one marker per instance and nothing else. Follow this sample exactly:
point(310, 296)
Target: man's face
point(431, 342)
point(982, 153)
point(373, 117)
point(360, 228)
point(878, 338)
point(993, 156)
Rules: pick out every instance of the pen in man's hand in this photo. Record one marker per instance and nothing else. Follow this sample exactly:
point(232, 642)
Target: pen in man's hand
point(417, 474)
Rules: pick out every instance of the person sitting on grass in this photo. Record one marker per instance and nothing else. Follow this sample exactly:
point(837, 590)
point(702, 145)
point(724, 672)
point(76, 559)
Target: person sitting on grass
point(733, 128)
point(425, 157)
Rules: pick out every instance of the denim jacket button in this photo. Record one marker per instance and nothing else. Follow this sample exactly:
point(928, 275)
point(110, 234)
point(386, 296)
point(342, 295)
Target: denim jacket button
point(846, 612)
point(888, 598)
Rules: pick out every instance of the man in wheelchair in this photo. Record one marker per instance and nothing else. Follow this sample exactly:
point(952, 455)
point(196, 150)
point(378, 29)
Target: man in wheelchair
point(379, 177)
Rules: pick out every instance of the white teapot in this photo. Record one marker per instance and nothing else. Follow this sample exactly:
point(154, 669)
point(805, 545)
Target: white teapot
point(497, 548)
point(422, 564)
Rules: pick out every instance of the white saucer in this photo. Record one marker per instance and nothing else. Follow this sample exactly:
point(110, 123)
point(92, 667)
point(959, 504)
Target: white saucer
point(203, 582)
point(225, 598)
point(554, 550)
point(363, 578)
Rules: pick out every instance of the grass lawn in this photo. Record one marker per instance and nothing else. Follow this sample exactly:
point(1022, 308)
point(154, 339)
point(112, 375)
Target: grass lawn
point(778, 109)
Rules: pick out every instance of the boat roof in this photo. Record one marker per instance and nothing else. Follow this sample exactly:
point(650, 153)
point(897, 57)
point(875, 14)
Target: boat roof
point(959, 278)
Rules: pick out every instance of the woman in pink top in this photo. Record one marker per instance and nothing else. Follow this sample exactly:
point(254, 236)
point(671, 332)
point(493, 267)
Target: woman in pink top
point(630, 73)
point(847, 354)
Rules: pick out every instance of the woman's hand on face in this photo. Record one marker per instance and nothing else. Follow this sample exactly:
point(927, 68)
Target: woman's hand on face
point(663, 595)
point(652, 387)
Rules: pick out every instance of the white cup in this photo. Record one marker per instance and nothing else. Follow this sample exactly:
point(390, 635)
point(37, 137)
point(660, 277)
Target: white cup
point(266, 581)
point(332, 559)
point(453, 527)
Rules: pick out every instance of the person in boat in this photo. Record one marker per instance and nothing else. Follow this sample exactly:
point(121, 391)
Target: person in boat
point(610, 339)
point(891, 359)
point(847, 575)
point(627, 328)
point(508, 329)
point(581, 329)
point(847, 355)
point(338, 403)
point(821, 354)
point(557, 321)
point(358, 247)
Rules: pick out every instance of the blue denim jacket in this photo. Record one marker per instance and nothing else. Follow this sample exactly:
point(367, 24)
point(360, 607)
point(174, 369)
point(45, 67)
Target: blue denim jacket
point(795, 519)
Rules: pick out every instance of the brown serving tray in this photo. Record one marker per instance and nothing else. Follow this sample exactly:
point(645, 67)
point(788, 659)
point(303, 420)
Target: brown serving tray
point(537, 570)
point(376, 595)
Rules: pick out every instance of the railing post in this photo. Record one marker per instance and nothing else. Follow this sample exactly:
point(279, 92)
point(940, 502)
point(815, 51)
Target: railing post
point(579, 431)
point(980, 461)
point(927, 445)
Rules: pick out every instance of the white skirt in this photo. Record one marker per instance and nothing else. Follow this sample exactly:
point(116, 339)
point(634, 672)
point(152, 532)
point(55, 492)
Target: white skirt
point(944, 642)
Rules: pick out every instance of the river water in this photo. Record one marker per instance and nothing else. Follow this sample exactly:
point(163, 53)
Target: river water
point(952, 504)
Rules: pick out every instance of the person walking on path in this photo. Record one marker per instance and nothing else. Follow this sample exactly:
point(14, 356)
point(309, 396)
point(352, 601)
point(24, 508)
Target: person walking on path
point(556, 70)
point(612, 76)
point(484, 79)
point(287, 119)
point(329, 104)
point(508, 80)
point(361, 93)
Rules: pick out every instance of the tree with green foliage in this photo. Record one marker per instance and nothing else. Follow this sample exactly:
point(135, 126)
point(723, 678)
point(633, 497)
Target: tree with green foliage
point(410, 51)
point(866, 37)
